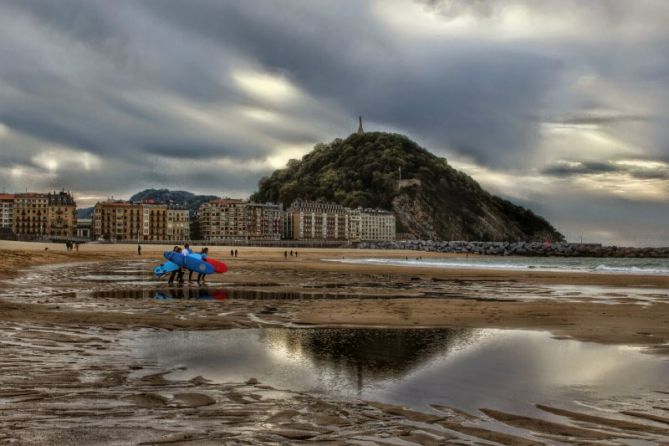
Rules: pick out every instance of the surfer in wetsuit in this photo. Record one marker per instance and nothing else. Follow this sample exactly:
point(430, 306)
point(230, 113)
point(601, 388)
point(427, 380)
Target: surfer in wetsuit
point(179, 272)
point(200, 276)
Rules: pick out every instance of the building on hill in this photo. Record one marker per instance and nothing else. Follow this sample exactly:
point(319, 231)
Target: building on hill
point(372, 225)
point(315, 220)
point(235, 219)
point(123, 220)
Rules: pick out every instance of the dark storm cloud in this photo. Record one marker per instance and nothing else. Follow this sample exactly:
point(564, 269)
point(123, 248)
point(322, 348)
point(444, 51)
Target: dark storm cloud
point(158, 93)
point(655, 171)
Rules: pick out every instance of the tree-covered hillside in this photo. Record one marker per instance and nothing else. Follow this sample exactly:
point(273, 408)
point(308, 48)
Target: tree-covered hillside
point(178, 197)
point(435, 201)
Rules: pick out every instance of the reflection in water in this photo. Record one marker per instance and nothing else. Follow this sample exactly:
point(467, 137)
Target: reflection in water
point(198, 293)
point(469, 369)
point(364, 355)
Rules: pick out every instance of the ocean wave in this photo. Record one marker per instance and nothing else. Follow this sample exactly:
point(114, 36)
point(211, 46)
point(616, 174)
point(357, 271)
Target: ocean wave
point(631, 269)
point(589, 265)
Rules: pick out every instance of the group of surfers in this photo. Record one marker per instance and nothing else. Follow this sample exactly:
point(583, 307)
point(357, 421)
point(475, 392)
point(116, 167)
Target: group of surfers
point(179, 273)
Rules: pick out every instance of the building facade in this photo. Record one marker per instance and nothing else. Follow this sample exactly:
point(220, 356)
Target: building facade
point(30, 217)
point(234, 219)
point(85, 228)
point(6, 212)
point(61, 215)
point(372, 224)
point(178, 224)
point(315, 220)
point(122, 220)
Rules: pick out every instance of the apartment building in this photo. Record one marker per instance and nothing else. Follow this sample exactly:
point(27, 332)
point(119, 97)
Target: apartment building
point(122, 220)
point(315, 220)
point(235, 219)
point(178, 223)
point(264, 221)
point(61, 215)
point(371, 225)
point(30, 217)
point(6, 212)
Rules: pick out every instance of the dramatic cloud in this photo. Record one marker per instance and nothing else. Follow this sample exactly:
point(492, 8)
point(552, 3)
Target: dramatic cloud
point(540, 101)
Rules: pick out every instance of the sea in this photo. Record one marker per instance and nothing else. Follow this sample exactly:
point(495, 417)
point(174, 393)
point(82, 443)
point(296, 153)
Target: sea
point(565, 264)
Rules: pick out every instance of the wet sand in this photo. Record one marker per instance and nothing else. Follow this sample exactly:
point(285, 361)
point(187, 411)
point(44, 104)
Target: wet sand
point(67, 380)
point(417, 297)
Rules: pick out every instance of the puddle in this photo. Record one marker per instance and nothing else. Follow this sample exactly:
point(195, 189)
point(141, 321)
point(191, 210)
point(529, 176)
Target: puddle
point(507, 370)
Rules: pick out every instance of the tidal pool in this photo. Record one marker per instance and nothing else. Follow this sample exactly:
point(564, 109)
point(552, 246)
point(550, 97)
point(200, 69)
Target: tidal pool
point(468, 369)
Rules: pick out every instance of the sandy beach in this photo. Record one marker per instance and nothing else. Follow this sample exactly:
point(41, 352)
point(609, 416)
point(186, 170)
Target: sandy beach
point(70, 378)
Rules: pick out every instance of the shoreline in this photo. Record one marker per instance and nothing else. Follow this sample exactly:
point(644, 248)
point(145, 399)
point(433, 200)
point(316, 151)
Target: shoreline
point(397, 297)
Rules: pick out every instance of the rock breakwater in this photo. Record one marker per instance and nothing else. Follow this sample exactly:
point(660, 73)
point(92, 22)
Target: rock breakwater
point(531, 249)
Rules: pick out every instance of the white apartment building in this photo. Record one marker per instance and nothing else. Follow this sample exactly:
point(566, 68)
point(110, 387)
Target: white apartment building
point(6, 211)
point(372, 224)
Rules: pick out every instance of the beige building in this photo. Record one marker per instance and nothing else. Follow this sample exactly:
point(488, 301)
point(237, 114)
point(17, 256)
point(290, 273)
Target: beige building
point(236, 219)
point(44, 215)
point(372, 224)
point(118, 220)
point(178, 224)
point(6, 212)
point(30, 217)
point(61, 215)
point(315, 220)
point(122, 220)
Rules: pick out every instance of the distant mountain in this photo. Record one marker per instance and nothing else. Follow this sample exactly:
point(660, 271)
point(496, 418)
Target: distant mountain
point(83, 213)
point(434, 201)
point(178, 197)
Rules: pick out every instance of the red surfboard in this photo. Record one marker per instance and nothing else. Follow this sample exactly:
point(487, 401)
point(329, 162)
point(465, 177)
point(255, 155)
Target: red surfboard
point(219, 267)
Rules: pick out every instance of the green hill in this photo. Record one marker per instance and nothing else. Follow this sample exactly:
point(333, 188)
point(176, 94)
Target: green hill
point(178, 197)
point(434, 201)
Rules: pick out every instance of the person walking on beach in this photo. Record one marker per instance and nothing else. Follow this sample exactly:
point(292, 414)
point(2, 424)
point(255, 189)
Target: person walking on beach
point(139, 249)
point(200, 276)
point(187, 251)
point(285, 255)
point(178, 273)
point(235, 253)
point(232, 253)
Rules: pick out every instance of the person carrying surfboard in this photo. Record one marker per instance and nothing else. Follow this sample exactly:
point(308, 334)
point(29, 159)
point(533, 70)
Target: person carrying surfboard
point(179, 272)
point(200, 276)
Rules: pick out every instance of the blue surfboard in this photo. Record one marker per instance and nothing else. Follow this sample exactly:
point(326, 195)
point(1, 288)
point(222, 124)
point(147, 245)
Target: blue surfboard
point(196, 264)
point(191, 262)
point(165, 268)
point(174, 257)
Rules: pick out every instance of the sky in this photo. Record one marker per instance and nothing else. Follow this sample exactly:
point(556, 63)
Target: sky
point(558, 105)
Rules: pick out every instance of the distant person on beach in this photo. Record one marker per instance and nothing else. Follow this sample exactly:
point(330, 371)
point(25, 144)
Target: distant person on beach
point(76, 246)
point(285, 254)
point(291, 253)
point(236, 253)
point(232, 253)
point(200, 276)
point(295, 253)
point(139, 249)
